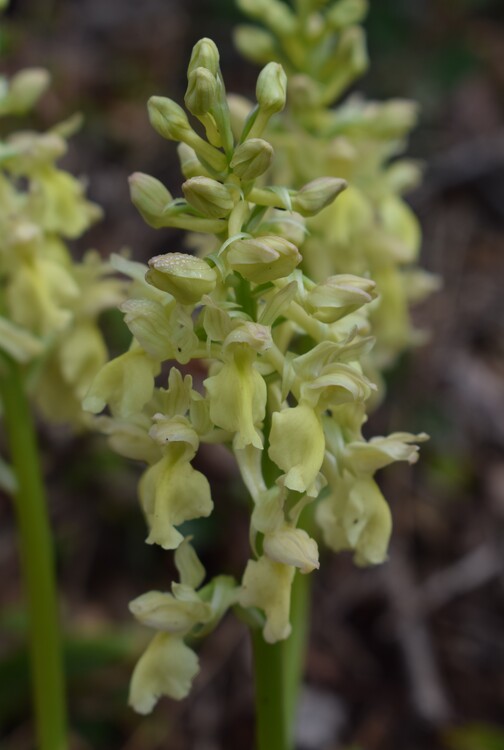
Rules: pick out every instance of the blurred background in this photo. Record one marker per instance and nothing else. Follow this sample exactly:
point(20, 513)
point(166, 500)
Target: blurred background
point(408, 656)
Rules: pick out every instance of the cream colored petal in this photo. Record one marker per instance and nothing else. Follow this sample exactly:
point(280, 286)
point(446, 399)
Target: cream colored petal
point(172, 492)
point(267, 585)
point(163, 611)
point(297, 445)
point(167, 667)
point(292, 546)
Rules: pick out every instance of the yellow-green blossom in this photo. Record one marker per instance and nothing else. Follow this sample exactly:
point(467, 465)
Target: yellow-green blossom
point(284, 348)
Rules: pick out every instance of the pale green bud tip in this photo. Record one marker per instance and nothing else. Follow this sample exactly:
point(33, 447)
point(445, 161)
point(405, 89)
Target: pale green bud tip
point(303, 91)
point(347, 13)
point(26, 87)
point(183, 276)
point(167, 118)
point(316, 195)
point(252, 158)
point(271, 88)
point(263, 259)
point(189, 162)
point(208, 196)
point(201, 91)
point(254, 43)
point(149, 196)
point(204, 55)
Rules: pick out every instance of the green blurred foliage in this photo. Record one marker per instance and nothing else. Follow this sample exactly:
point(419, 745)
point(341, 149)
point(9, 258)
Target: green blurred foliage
point(477, 736)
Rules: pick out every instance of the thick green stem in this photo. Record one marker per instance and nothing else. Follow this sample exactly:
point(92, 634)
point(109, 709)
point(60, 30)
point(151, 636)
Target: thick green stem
point(269, 676)
point(37, 563)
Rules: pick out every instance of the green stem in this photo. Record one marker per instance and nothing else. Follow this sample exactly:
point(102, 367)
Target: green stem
point(269, 673)
point(295, 648)
point(37, 563)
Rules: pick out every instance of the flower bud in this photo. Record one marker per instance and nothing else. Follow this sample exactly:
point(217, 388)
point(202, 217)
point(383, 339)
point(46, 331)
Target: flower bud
point(208, 196)
point(346, 13)
point(190, 165)
point(201, 91)
point(271, 88)
point(255, 44)
point(317, 194)
point(303, 92)
point(392, 119)
point(150, 197)
point(262, 259)
point(183, 276)
point(252, 158)
point(25, 88)
point(167, 118)
point(340, 295)
point(277, 15)
point(204, 55)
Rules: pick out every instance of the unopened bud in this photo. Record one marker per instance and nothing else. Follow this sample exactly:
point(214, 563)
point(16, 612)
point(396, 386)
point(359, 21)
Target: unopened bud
point(263, 259)
point(201, 91)
point(303, 91)
point(271, 88)
point(316, 195)
point(208, 196)
point(252, 158)
point(274, 14)
point(255, 44)
point(150, 197)
point(171, 122)
point(189, 162)
point(339, 296)
point(346, 13)
point(25, 88)
point(186, 278)
point(391, 119)
point(204, 55)
point(167, 118)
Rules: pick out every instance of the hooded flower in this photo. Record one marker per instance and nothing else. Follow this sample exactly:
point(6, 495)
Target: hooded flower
point(172, 491)
point(297, 447)
point(267, 585)
point(238, 398)
point(356, 517)
point(167, 667)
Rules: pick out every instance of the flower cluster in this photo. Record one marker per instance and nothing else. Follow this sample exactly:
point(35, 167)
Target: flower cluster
point(50, 304)
point(285, 389)
point(370, 230)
